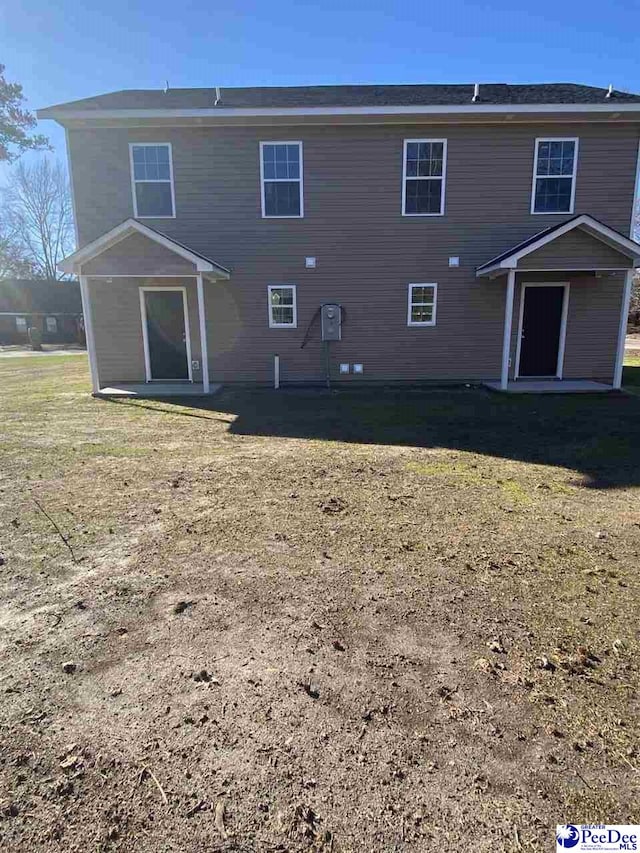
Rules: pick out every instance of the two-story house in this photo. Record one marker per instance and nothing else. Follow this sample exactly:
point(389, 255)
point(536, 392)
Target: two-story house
point(379, 233)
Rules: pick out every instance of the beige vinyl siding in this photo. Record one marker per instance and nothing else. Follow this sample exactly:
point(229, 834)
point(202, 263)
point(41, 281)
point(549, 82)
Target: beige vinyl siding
point(570, 251)
point(352, 185)
point(117, 326)
point(367, 252)
point(375, 331)
point(592, 327)
point(138, 255)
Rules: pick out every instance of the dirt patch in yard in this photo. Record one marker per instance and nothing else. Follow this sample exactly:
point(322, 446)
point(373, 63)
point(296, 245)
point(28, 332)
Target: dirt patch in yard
point(299, 622)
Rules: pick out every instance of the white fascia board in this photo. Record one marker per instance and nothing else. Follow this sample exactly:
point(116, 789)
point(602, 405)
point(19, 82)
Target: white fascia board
point(438, 109)
point(495, 270)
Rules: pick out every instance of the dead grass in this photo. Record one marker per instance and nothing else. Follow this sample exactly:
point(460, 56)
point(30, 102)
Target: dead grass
point(360, 622)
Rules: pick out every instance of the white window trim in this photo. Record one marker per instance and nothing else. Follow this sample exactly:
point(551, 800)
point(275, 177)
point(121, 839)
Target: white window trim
point(288, 180)
point(145, 332)
point(273, 325)
point(47, 323)
point(573, 176)
point(133, 145)
point(21, 324)
point(410, 302)
point(434, 177)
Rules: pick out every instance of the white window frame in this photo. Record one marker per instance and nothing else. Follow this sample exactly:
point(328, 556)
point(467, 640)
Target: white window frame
point(279, 180)
point(410, 303)
point(274, 325)
point(539, 139)
point(21, 324)
point(406, 177)
point(55, 325)
point(133, 145)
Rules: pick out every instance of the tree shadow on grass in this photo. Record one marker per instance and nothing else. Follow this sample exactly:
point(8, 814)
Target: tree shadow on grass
point(595, 435)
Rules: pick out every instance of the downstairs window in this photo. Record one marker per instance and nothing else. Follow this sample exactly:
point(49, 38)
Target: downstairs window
point(282, 306)
point(422, 305)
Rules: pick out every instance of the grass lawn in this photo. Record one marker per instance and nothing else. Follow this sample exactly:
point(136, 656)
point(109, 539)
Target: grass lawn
point(632, 370)
point(300, 621)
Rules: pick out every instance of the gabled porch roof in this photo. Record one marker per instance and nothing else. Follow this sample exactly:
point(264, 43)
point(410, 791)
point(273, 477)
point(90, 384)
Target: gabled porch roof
point(201, 264)
point(598, 230)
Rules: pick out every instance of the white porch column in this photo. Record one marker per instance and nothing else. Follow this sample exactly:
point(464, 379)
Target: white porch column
point(204, 349)
point(506, 338)
point(622, 329)
point(88, 331)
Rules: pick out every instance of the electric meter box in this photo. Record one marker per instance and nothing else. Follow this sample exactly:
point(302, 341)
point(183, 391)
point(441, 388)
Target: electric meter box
point(331, 318)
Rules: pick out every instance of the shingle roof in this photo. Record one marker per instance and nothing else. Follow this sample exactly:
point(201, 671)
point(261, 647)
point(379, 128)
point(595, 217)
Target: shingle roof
point(39, 296)
point(350, 96)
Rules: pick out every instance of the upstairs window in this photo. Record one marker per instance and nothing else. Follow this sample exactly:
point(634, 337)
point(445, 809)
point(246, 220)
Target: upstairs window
point(423, 178)
point(152, 180)
point(282, 306)
point(281, 179)
point(554, 176)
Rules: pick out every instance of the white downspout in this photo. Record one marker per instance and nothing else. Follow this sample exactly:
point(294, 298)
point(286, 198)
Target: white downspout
point(506, 338)
point(622, 329)
point(204, 349)
point(88, 332)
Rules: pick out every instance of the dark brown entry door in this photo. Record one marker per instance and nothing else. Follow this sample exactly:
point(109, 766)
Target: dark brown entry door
point(166, 334)
point(541, 327)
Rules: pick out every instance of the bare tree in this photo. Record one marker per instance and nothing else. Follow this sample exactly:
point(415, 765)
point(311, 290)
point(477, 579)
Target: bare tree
point(38, 213)
point(12, 262)
point(634, 305)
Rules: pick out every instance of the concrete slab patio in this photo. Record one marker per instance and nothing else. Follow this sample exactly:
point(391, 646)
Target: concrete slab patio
point(552, 386)
point(151, 390)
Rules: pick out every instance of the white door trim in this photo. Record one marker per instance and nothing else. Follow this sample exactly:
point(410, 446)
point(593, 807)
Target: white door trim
point(563, 326)
point(145, 335)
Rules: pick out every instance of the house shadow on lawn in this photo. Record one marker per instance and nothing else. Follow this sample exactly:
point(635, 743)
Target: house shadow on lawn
point(597, 436)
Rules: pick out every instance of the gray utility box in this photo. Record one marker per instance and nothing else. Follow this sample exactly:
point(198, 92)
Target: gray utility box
point(331, 320)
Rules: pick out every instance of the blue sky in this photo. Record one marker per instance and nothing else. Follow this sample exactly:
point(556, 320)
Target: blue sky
point(65, 50)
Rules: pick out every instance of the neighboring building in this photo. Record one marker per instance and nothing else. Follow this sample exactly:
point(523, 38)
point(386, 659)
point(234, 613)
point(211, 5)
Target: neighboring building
point(466, 233)
point(53, 307)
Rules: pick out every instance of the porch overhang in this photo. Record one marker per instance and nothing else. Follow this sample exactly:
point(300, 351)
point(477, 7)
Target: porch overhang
point(509, 260)
point(591, 246)
point(73, 264)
